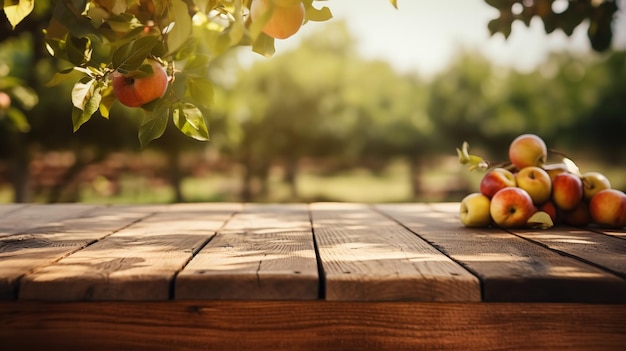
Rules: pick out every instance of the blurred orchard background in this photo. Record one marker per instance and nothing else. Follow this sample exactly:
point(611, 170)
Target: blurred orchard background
point(369, 106)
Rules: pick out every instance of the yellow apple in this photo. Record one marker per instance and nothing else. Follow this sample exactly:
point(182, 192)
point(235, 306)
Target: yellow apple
point(495, 180)
point(608, 208)
point(285, 20)
point(536, 182)
point(511, 207)
point(528, 150)
point(594, 182)
point(474, 211)
point(567, 191)
point(137, 90)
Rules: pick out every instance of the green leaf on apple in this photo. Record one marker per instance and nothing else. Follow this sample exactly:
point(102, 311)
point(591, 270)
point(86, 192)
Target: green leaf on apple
point(190, 120)
point(153, 124)
point(540, 220)
point(264, 45)
point(131, 55)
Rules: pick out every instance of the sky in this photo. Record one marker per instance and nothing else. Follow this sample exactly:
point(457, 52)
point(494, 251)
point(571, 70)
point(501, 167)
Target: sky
point(424, 35)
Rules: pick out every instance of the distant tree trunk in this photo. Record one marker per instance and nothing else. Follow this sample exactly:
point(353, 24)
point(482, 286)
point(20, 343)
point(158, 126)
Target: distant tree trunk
point(175, 174)
point(19, 172)
point(416, 168)
point(291, 176)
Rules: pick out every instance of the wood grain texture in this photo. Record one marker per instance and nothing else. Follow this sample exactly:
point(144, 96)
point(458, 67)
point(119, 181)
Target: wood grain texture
point(310, 325)
point(264, 252)
point(136, 263)
point(21, 254)
point(26, 218)
point(608, 252)
point(510, 268)
point(366, 256)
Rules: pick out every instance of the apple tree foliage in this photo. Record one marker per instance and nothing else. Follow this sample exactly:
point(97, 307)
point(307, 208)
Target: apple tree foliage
point(97, 37)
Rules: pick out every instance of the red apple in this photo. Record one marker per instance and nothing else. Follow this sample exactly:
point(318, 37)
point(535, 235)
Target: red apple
point(137, 90)
point(474, 211)
point(536, 182)
point(567, 191)
point(608, 208)
point(579, 216)
point(594, 182)
point(528, 150)
point(285, 20)
point(511, 207)
point(495, 180)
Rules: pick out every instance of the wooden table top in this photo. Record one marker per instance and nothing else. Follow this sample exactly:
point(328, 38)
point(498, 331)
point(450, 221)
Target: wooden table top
point(318, 251)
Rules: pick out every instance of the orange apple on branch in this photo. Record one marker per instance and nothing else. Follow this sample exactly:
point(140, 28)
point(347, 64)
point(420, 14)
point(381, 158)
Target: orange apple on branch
point(512, 207)
point(137, 88)
point(608, 208)
point(474, 211)
point(283, 18)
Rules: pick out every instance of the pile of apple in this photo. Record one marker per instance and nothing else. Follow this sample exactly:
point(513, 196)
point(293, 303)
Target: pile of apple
point(530, 193)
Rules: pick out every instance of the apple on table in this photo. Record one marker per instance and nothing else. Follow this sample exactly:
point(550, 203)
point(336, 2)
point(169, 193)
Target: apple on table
point(512, 207)
point(608, 208)
point(495, 180)
point(536, 182)
point(474, 211)
point(567, 191)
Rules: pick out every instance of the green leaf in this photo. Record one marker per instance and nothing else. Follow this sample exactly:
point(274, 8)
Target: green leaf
point(153, 125)
point(201, 91)
point(81, 92)
point(264, 45)
point(189, 119)
point(319, 15)
point(79, 117)
point(70, 15)
point(181, 29)
point(394, 3)
point(18, 118)
point(130, 56)
point(78, 50)
point(16, 12)
point(64, 76)
point(86, 97)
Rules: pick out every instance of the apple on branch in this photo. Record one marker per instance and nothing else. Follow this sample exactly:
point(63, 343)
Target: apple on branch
point(283, 18)
point(135, 89)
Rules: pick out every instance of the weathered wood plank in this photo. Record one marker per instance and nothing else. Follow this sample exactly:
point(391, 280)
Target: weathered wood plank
point(21, 254)
point(366, 256)
point(510, 268)
point(265, 252)
point(310, 325)
point(6, 209)
point(36, 215)
point(607, 252)
point(136, 263)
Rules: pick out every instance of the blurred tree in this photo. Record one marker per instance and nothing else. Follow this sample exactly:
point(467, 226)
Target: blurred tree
point(565, 15)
